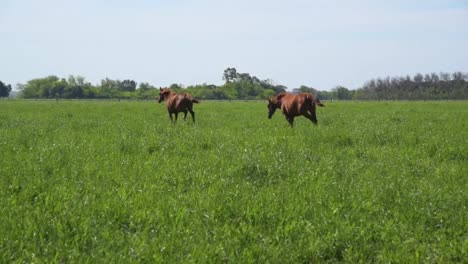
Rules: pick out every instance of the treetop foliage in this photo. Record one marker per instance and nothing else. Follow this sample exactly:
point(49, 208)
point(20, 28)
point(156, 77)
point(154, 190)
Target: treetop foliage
point(4, 89)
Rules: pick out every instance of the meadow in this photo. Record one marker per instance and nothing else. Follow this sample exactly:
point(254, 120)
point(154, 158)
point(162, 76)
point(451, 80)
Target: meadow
point(115, 181)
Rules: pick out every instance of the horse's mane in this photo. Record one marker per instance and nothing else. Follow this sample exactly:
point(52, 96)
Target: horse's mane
point(166, 90)
point(278, 96)
point(281, 94)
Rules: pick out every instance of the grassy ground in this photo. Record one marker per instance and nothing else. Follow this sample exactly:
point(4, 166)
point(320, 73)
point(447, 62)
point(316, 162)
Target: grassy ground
point(111, 182)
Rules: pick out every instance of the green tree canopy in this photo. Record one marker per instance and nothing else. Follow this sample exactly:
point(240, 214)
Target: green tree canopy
point(4, 89)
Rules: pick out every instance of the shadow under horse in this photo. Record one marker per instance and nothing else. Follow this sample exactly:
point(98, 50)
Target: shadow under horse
point(293, 105)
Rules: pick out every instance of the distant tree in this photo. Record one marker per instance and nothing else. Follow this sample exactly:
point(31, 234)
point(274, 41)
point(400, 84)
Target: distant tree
point(41, 88)
point(4, 89)
point(305, 89)
point(108, 89)
point(128, 85)
point(230, 75)
point(245, 86)
point(418, 78)
point(342, 93)
point(109, 84)
point(145, 86)
point(457, 76)
point(146, 91)
point(77, 87)
point(267, 93)
point(175, 87)
point(434, 78)
point(445, 76)
point(279, 88)
point(244, 77)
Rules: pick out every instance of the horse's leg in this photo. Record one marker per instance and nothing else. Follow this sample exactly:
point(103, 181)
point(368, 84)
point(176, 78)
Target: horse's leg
point(185, 114)
point(290, 119)
point(312, 117)
point(176, 115)
point(170, 117)
point(190, 109)
point(193, 114)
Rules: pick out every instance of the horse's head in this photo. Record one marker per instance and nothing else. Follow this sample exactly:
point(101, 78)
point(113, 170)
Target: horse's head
point(273, 104)
point(163, 92)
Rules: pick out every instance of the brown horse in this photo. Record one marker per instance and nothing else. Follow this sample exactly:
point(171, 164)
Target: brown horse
point(177, 103)
point(293, 105)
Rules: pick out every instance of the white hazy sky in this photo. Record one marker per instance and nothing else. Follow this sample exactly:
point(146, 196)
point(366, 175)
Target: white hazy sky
point(318, 43)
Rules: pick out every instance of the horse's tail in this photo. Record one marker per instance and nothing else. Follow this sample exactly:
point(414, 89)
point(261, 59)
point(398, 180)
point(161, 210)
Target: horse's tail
point(195, 101)
point(315, 100)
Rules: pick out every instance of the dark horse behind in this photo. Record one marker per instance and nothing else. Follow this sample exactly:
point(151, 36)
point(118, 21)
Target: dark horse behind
point(177, 103)
point(293, 105)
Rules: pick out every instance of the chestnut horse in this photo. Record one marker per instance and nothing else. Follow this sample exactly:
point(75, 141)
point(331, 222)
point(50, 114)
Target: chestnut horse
point(177, 103)
point(293, 105)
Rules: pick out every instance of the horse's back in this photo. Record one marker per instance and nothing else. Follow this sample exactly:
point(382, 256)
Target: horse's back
point(288, 104)
point(182, 102)
point(296, 104)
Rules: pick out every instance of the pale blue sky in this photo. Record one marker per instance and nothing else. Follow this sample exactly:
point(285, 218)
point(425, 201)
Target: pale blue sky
point(318, 43)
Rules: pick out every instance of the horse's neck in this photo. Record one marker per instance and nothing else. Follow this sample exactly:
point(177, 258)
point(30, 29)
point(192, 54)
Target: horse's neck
point(279, 98)
point(170, 95)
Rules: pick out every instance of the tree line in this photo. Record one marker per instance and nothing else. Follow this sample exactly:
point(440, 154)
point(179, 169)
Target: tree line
point(244, 86)
point(420, 87)
point(442, 86)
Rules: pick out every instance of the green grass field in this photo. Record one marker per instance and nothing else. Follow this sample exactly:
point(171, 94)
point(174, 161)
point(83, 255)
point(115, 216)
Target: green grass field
point(110, 182)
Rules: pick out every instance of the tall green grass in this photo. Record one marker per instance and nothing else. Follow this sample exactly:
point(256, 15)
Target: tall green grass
point(109, 181)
